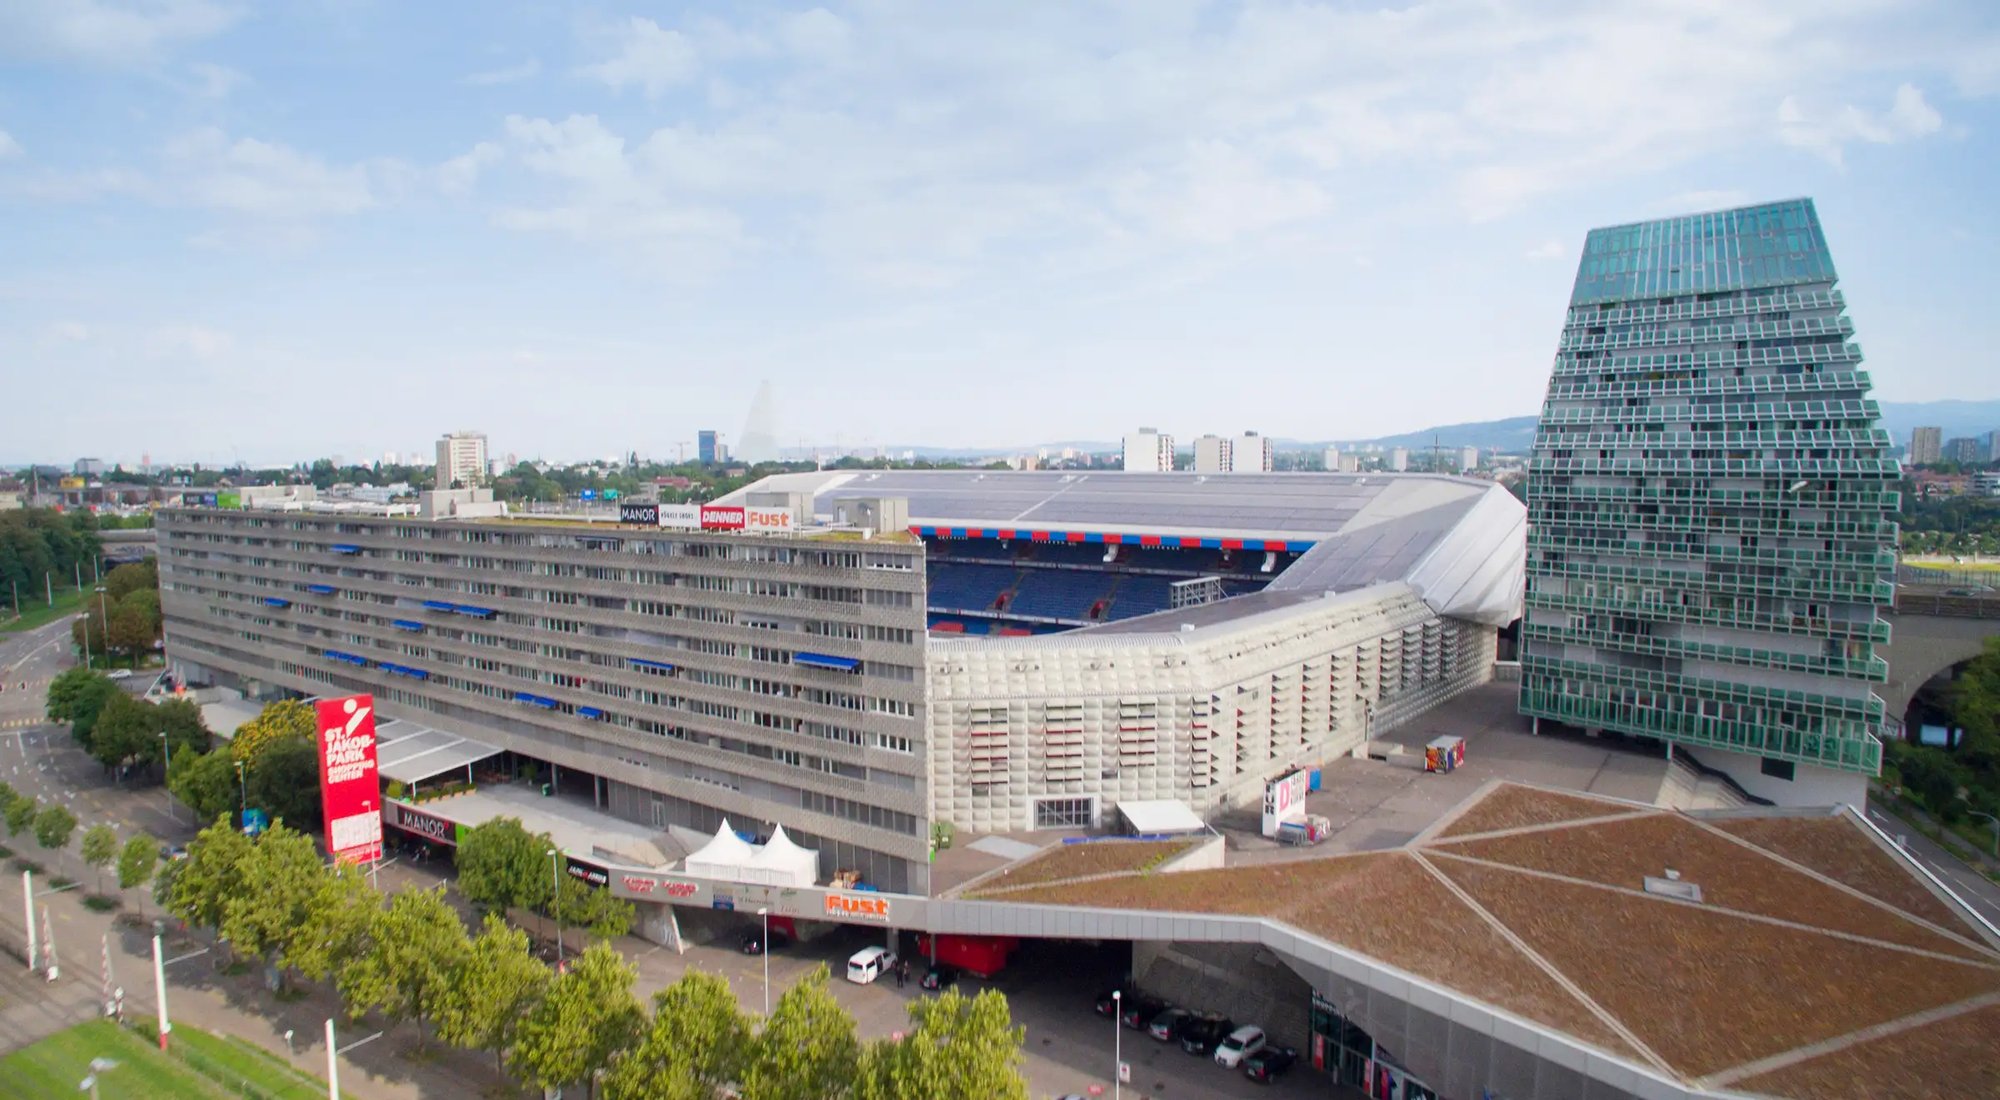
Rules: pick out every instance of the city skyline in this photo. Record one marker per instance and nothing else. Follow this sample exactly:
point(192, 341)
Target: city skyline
point(609, 226)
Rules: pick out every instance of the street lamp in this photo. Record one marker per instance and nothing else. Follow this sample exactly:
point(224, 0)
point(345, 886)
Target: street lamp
point(766, 945)
point(242, 789)
point(1117, 1041)
point(555, 884)
point(167, 746)
point(97, 1066)
point(1996, 828)
point(103, 631)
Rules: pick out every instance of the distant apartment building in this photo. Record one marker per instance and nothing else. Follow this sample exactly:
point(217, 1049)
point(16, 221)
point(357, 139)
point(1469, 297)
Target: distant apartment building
point(90, 467)
point(1926, 446)
point(1468, 459)
point(461, 459)
point(1399, 459)
point(1965, 450)
point(708, 447)
point(1212, 454)
point(1252, 454)
point(1149, 451)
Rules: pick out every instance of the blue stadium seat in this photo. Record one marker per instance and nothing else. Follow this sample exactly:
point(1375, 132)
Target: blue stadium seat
point(1060, 593)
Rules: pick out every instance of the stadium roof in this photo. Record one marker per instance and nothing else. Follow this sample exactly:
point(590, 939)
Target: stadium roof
point(1460, 542)
point(1810, 959)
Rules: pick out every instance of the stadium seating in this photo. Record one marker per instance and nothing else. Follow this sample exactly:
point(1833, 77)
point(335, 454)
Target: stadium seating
point(1060, 593)
point(968, 587)
point(1140, 595)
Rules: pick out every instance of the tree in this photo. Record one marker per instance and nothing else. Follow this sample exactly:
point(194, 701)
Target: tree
point(180, 720)
point(206, 782)
point(21, 813)
point(127, 733)
point(498, 980)
point(68, 686)
point(127, 579)
point(136, 862)
point(81, 703)
point(100, 847)
point(213, 873)
point(135, 626)
point(501, 865)
point(282, 885)
point(282, 719)
point(53, 826)
point(340, 920)
point(694, 1044)
point(588, 1015)
point(807, 1049)
point(592, 908)
point(283, 781)
point(88, 632)
point(418, 947)
point(959, 1048)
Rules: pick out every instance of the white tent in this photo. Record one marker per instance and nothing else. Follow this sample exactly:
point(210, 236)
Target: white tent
point(725, 857)
point(783, 863)
point(779, 863)
point(1161, 816)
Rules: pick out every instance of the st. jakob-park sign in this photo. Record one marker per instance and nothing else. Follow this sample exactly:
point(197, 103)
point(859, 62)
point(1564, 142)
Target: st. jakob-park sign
point(349, 786)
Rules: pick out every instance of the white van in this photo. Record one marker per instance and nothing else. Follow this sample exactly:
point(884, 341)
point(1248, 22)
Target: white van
point(868, 964)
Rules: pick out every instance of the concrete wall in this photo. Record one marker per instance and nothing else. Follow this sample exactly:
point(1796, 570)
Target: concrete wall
point(1809, 786)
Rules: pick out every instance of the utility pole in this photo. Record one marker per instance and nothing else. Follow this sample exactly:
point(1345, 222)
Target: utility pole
point(681, 447)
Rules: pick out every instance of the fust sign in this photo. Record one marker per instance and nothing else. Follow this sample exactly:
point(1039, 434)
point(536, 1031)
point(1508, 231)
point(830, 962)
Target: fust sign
point(850, 906)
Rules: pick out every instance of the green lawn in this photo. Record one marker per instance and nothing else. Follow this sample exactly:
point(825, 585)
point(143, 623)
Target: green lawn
point(37, 613)
point(208, 1066)
point(1948, 566)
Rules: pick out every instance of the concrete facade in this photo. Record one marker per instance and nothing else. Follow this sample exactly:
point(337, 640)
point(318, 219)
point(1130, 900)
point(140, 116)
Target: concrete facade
point(664, 663)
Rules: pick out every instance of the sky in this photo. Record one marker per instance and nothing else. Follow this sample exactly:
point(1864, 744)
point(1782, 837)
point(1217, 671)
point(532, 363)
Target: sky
point(232, 231)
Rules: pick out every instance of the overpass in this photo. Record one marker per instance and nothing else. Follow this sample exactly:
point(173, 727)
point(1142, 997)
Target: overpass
point(1940, 619)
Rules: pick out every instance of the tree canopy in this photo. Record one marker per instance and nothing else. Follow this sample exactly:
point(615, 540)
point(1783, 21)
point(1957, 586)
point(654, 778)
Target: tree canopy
point(418, 948)
point(588, 1015)
point(286, 718)
point(205, 782)
point(499, 979)
point(696, 1041)
point(501, 865)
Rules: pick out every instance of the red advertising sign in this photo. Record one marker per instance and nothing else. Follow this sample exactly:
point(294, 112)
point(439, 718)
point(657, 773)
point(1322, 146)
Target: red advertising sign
point(721, 519)
point(349, 787)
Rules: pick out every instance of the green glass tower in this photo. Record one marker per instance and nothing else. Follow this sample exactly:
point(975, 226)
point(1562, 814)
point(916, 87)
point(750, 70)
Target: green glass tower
point(1711, 503)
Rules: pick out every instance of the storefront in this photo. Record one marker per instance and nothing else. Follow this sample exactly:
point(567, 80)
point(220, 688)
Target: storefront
point(1348, 1054)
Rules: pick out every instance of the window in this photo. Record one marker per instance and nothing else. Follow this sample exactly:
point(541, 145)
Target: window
point(892, 742)
point(1065, 813)
point(1779, 769)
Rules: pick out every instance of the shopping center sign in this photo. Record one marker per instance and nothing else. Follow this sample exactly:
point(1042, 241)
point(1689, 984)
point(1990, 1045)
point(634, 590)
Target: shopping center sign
point(851, 906)
point(349, 787)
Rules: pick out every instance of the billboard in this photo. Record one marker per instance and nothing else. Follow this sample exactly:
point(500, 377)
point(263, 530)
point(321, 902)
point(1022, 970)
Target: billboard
point(349, 787)
point(229, 500)
point(428, 826)
point(686, 517)
point(589, 873)
point(1285, 801)
point(647, 514)
point(721, 519)
point(767, 519)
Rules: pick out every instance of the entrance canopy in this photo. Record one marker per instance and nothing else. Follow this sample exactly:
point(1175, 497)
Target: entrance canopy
point(1161, 816)
point(409, 753)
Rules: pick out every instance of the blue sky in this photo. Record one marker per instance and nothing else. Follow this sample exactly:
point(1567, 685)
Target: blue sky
point(346, 226)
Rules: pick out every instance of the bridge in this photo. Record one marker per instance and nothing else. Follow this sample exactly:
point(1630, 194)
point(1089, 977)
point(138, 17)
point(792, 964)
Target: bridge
point(1941, 618)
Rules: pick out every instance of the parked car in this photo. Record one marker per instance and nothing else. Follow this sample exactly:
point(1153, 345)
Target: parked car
point(1107, 1002)
point(1268, 1064)
point(1240, 1044)
point(940, 976)
point(1201, 1036)
point(868, 964)
point(1140, 1010)
point(172, 852)
point(119, 674)
point(753, 944)
point(1168, 1025)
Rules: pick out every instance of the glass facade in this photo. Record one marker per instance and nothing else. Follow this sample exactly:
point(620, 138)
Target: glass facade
point(1710, 499)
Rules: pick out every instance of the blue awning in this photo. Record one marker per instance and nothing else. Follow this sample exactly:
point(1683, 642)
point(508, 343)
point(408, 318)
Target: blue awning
point(405, 670)
point(475, 612)
point(661, 665)
point(344, 548)
point(534, 700)
point(273, 601)
point(320, 589)
point(822, 660)
point(407, 624)
point(590, 712)
point(336, 655)
point(438, 605)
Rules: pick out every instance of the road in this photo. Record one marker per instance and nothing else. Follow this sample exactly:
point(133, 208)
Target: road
point(1979, 892)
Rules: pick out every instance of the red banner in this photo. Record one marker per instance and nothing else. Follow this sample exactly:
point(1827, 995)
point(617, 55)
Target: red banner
point(721, 519)
point(349, 788)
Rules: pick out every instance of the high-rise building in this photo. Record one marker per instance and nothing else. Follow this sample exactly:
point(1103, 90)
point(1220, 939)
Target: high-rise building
point(461, 460)
point(706, 442)
point(1926, 446)
point(1149, 451)
point(1468, 459)
point(1993, 446)
point(1711, 504)
point(1212, 454)
point(1332, 459)
point(1965, 450)
point(1350, 463)
point(1252, 454)
point(759, 441)
point(1399, 459)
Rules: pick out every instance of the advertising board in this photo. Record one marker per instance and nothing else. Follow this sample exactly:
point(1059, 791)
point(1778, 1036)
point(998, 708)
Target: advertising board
point(721, 519)
point(851, 906)
point(229, 500)
point(1285, 801)
point(653, 886)
point(685, 517)
point(766, 519)
point(428, 826)
point(592, 874)
point(349, 786)
point(647, 514)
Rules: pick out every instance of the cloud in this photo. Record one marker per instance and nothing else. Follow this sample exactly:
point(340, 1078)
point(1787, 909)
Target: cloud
point(457, 175)
point(1909, 117)
point(215, 81)
point(8, 146)
point(107, 32)
point(263, 179)
point(67, 332)
point(190, 341)
point(1687, 202)
point(652, 58)
point(1551, 249)
point(526, 70)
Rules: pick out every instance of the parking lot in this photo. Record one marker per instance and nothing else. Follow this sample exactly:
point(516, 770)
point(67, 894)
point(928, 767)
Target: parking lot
point(1051, 987)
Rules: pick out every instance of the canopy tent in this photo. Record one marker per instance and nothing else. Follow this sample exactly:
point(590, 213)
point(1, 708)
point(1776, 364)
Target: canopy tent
point(778, 863)
point(1161, 816)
